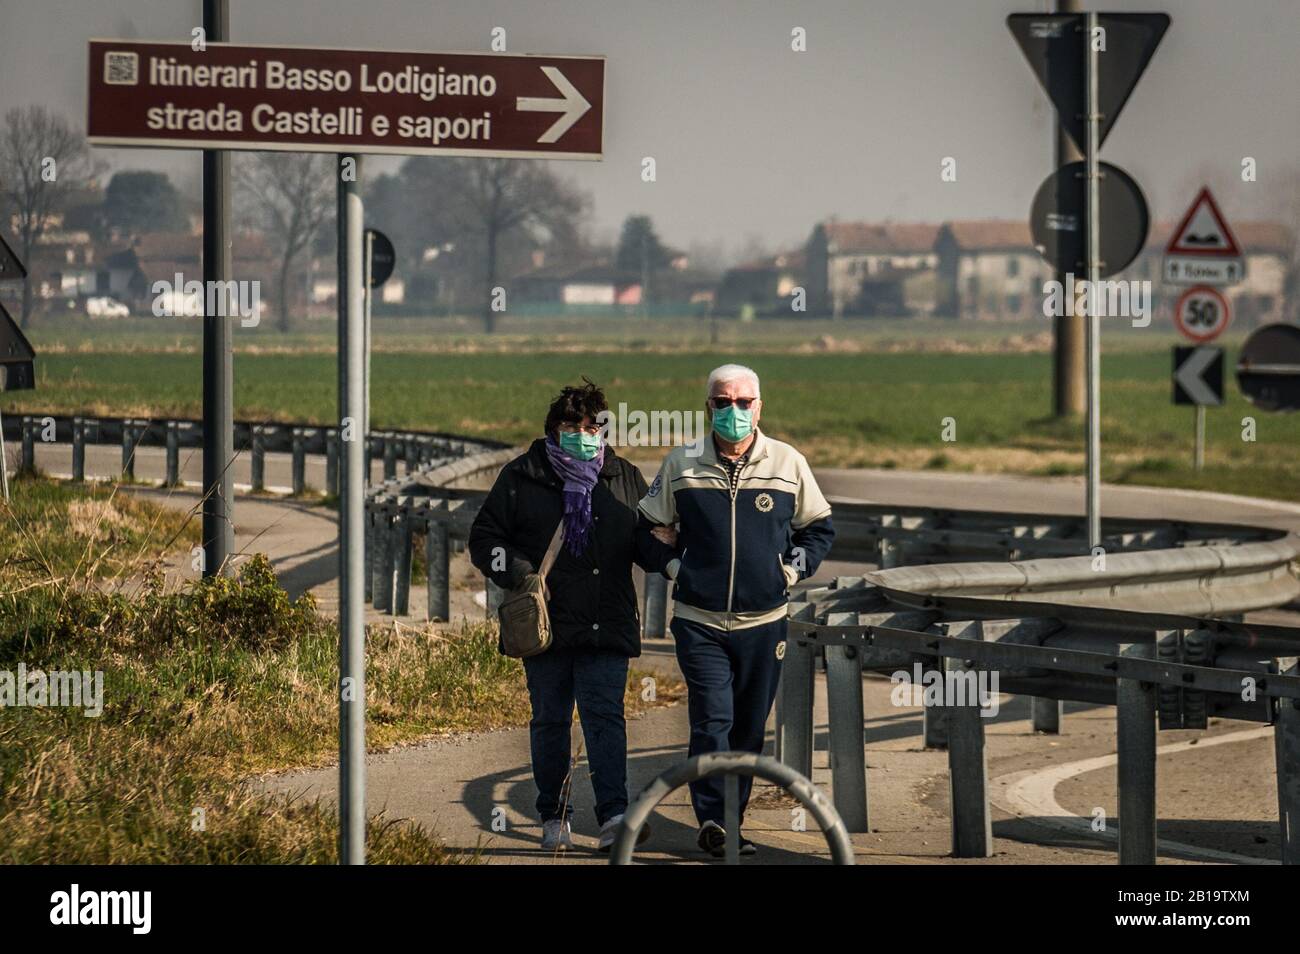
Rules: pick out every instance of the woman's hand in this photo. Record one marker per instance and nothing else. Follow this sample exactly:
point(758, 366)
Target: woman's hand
point(665, 535)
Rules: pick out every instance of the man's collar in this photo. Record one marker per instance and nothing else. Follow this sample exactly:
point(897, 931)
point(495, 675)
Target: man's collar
point(757, 449)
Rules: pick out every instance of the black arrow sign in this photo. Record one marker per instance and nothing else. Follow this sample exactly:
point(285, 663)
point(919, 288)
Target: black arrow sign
point(1198, 375)
point(1054, 46)
point(10, 268)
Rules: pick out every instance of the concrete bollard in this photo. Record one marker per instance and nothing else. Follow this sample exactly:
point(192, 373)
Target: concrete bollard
point(128, 449)
point(27, 464)
point(298, 446)
point(847, 735)
point(1046, 715)
point(383, 598)
point(390, 458)
point(368, 522)
point(654, 625)
point(968, 782)
point(257, 458)
point(797, 688)
point(79, 449)
point(332, 462)
point(173, 455)
point(401, 543)
point(437, 557)
point(1135, 715)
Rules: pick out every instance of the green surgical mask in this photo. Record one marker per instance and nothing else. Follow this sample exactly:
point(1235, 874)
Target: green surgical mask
point(733, 424)
point(580, 446)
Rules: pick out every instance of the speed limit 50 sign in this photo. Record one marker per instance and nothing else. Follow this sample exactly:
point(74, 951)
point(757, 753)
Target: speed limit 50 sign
point(1202, 314)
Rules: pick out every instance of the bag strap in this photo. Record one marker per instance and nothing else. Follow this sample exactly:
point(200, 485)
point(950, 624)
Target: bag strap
point(552, 551)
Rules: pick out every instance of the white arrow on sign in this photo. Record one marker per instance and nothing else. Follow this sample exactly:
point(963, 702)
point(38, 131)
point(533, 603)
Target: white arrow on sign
point(573, 105)
point(1189, 374)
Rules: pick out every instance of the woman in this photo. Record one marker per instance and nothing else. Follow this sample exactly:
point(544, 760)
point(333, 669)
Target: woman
point(572, 475)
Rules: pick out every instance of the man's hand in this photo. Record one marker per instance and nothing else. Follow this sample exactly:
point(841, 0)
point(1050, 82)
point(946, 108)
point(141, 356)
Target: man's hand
point(665, 535)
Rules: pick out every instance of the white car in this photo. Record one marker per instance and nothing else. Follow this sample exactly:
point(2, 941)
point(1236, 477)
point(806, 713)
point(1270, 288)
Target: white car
point(106, 308)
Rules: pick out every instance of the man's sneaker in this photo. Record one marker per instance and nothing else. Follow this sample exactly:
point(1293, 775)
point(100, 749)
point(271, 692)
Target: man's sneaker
point(609, 833)
point(556, 835)
point(712, 839)
point(747, 847)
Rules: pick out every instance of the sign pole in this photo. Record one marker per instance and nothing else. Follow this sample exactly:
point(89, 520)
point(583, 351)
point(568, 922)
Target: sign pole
point(1199, 459)
point(1068, 332)
point(218, 372)
point(352, 628)
point(370, 255)
point(1093, 352)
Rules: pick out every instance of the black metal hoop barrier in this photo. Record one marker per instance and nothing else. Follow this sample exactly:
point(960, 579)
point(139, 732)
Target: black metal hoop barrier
point(733, 764)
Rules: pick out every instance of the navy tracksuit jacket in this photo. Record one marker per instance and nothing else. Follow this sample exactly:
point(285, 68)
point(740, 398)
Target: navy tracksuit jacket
point(739, 554)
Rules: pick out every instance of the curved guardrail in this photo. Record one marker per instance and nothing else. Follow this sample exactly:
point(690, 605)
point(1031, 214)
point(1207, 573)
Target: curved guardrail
point(732, 764)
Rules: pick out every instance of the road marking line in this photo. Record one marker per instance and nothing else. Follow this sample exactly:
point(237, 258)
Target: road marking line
point(1031, 796)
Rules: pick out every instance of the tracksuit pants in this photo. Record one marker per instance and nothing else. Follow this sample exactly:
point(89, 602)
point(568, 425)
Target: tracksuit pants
point(596, 680)
point(731, 678)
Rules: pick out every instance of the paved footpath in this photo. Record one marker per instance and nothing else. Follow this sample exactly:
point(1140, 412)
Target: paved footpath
point(1216, 803)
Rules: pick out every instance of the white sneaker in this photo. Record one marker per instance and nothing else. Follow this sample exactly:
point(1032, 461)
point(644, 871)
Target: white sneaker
point(609, 833)
point(557, 835)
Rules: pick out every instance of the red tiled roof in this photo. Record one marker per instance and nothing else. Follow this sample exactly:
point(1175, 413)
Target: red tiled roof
point(885, 237)
point(973, 235)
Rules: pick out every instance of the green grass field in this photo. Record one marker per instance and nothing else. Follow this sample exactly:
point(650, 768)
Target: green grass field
point(847, 393)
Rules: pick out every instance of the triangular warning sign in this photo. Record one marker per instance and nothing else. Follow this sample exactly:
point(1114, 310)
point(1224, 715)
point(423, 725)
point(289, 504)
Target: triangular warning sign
point(1056, 48)
point(17, 356)
point(1203, 231)
point(10, 268)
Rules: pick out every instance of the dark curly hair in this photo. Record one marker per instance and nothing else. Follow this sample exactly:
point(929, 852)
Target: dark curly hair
point(574, 404)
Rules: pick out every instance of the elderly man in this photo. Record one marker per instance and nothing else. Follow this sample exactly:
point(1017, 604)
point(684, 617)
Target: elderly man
point(751, 522)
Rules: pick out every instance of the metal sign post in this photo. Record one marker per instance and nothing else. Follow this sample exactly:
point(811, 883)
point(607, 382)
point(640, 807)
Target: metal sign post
point(370, 254)
point(352, 621)
point(218, 342)
point(1198, 380)
point(1092, 356)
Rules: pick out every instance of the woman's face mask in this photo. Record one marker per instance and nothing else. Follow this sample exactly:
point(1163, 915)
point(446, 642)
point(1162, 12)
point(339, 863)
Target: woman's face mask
point(580, 446)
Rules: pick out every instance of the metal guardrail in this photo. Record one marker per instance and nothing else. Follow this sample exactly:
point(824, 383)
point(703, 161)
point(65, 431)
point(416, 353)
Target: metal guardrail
point(958, 593)
point(732, 764)
point(417, 450)
point(1159, 669)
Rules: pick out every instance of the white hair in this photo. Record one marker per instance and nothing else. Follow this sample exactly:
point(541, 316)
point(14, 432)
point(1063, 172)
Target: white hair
point(731, 372)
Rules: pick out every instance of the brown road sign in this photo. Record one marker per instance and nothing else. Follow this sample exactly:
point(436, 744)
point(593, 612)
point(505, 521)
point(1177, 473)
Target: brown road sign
point(330, 100)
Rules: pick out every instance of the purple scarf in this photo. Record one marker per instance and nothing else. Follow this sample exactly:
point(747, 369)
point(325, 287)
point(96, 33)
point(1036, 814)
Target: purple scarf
point(579, 478)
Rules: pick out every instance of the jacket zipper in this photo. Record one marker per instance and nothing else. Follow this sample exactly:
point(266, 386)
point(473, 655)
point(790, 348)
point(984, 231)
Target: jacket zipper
point(731, 579)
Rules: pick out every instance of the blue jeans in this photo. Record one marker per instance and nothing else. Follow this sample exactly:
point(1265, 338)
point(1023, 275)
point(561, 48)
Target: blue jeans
point(595, 680)
point(731, 680)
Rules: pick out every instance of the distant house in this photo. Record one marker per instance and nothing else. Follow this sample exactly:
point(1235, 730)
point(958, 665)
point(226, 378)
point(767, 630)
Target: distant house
point(132, 273)
point(863, 268)
point(988, 268)
point(764, 285)
point(584, 285)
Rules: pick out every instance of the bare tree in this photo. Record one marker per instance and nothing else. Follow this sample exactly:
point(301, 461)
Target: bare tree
point(292, 198)
point(501, 198)
point(43, 161)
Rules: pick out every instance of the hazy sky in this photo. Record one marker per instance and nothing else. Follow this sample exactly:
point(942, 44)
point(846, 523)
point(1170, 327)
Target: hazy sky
point(753, 139)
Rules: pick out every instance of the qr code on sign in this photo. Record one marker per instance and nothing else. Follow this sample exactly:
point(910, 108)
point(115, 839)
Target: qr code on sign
point(121, 69)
